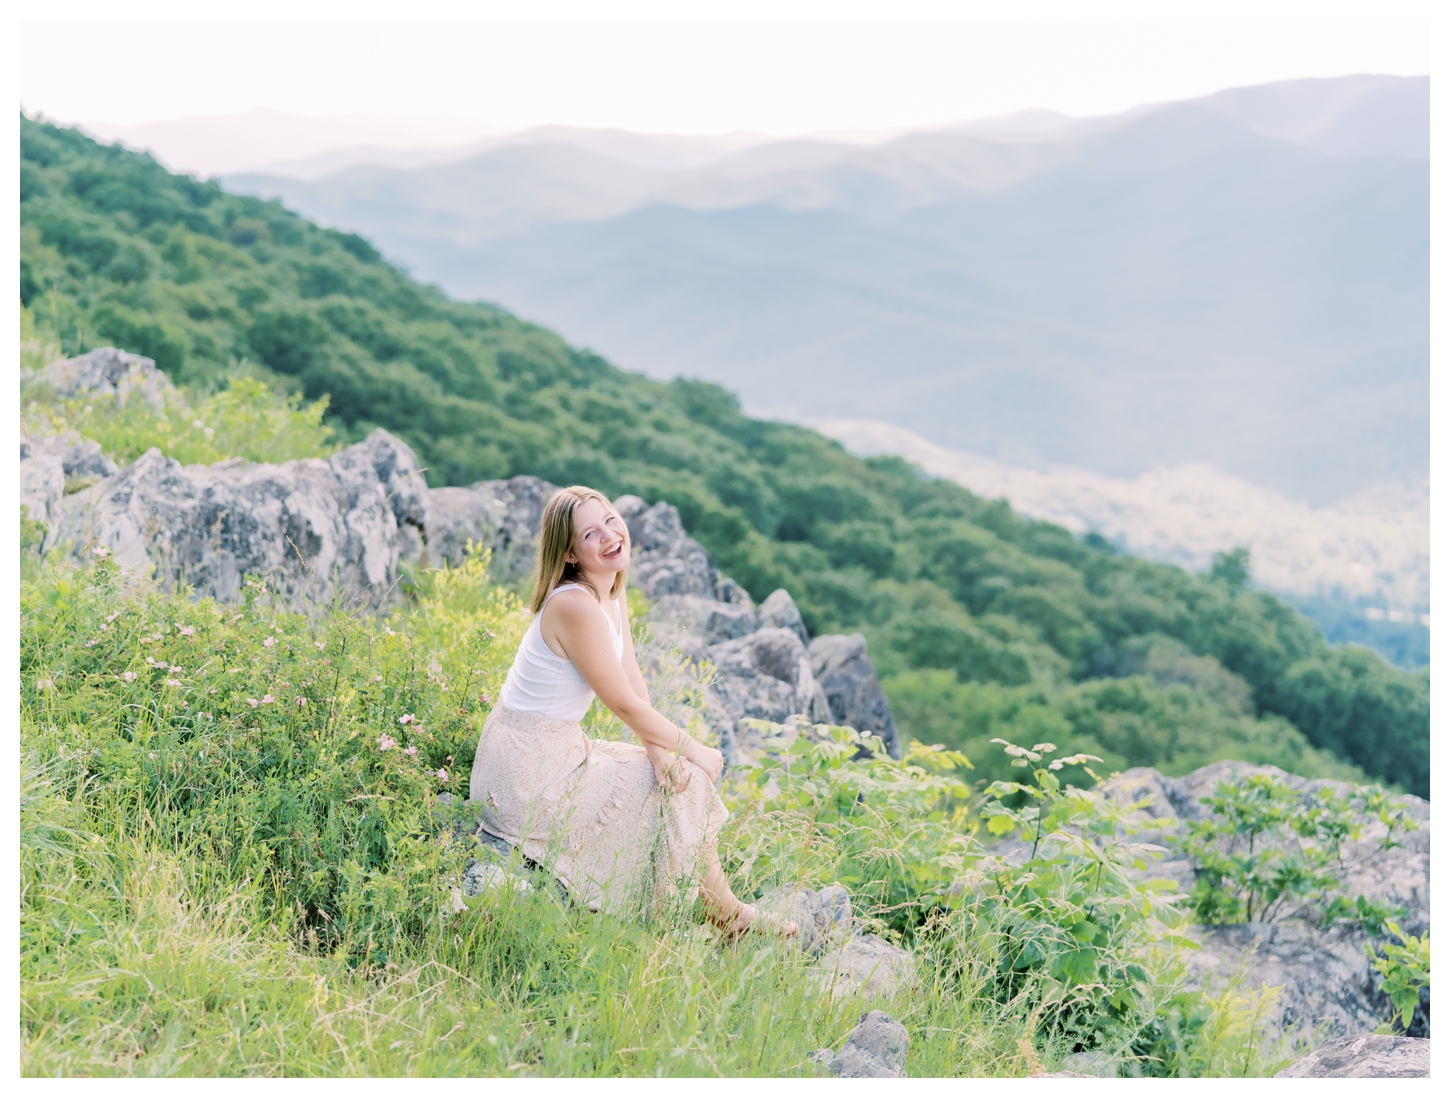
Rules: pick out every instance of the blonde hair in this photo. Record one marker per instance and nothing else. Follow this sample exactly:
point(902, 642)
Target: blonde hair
point(556, 542)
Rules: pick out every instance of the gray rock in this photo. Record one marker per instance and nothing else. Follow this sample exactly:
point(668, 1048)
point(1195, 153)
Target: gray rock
point(766, 675)
point(1324, 975)
point(480, 877)
point(824, 917)
point(875, 1049)
point(312, 528)
point(107, 371)
point(853, 691)
point(502, 514)
point(778, 611)
point(866, 964)
point(1365, 1056)
point(727, 590)
point(663, 560)
point(51, 467)
point(702, 621)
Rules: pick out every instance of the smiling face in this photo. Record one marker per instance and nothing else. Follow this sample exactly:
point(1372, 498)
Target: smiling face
point(601, 540)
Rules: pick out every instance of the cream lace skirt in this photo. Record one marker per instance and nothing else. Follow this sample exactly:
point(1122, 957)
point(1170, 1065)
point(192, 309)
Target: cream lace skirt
point(592, 812)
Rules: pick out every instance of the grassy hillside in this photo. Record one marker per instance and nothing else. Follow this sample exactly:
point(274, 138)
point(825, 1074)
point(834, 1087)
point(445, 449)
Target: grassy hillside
point(982, 623)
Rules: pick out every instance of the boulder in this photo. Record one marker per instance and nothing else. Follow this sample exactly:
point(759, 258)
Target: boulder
point(107, 371)
point(694, 622)
point(867, 965)
point(853, 691)
point(51, 467)
point(663, 560)
point(779, 611)
point(312, 528)
point(824, 917)
point(766, 675)
point(1364, 1056)
point(875, 1049)
point(502, 514)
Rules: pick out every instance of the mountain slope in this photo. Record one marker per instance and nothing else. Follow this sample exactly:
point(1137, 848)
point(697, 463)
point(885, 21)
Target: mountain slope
point(955, 593)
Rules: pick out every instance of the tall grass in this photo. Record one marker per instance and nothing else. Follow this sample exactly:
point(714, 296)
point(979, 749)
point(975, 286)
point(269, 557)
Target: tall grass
point(228, 869)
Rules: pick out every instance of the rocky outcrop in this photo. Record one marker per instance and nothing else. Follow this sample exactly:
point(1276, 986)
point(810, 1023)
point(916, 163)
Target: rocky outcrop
point(875, 1049)
point(353, 523)
point(868, 965)
point(502, 515)
point(312, 529)
point(107, 372)
point(1324, 974)
point(825, 917)
point(1366, 1056)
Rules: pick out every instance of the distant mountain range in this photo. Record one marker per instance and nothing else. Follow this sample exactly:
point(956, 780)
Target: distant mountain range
point(1240, 280)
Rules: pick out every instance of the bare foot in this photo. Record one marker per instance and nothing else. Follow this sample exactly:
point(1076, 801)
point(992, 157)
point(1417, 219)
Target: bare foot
point(748, 919)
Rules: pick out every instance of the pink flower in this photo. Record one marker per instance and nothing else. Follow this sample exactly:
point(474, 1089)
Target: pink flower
point(252, 702)
point(173, 682)
point(485, 699)
point(269, 642)
point(112, 617)
point(413, 750)
point(185, 705)
point(267, 699)
point(443, 775)
point(386, 742)
point(185, 630)
point(319, 644)
point(301, 702)
point(129, 676)
point(406, 718)
point(101, 551)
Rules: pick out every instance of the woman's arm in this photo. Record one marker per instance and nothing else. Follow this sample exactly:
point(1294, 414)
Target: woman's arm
point(577, 625)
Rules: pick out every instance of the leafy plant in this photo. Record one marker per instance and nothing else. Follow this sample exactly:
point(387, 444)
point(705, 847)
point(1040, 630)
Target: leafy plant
point(1265, 847)
point(1404, 970)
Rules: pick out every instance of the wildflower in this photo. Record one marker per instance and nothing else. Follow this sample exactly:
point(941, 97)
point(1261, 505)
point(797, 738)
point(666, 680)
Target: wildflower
point(104, 627)
point(212, 690)
point(269, 642)
point(443, 775)
point(92, 642)
point(101, 552)
point(406, 718)
point(44, 684)
point(319, 644)
point(186, 630)
point(129, 676)
point(186, 705)
point(112, 617)
point(386, 742)
point(301, 702)
point(173, 682)
point(252, 702)
point(411, 750)
point(267, 699)
point(377, 678)
point(198, 424)
point(485, 699)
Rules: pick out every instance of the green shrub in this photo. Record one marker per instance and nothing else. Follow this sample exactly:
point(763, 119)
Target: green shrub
point(1266, 847)
point(1404, 970)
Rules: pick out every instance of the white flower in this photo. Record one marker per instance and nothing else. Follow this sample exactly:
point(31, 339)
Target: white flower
point(319, 644)
point(129, 676)
point(269, 642)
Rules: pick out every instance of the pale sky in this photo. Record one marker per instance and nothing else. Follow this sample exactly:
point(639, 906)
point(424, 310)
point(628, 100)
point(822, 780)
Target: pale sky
point(779, 77)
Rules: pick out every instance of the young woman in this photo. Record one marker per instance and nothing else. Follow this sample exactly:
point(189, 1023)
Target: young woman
point(620, 825)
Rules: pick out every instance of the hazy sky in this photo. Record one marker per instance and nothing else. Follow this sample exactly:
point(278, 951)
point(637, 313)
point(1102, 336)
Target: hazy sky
point(681, 77)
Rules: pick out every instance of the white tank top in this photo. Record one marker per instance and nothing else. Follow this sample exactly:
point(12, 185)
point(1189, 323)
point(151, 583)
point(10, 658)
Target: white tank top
point(548, 685)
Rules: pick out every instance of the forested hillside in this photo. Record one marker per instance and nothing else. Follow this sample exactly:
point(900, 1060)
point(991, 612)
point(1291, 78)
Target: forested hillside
point(981, 622)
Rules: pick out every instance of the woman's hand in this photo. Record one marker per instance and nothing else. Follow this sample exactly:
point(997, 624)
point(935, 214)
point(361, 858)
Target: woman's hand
point(707, 759)
point(669, 768)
